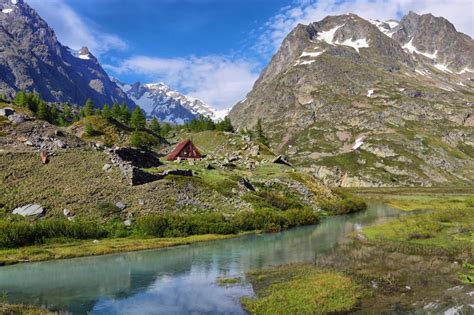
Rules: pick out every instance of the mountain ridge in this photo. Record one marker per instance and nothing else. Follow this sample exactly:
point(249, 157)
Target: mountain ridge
point(160, 101)
point(345, 78)
point(33, 59)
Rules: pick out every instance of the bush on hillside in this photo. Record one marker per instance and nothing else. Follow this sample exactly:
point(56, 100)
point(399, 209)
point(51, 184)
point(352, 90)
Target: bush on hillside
point(346, 204)
point(17, 233)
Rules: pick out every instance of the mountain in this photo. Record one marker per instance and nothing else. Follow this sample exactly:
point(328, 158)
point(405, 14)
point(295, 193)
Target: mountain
point(370, 103)
point(32, 59)
point(160, 101)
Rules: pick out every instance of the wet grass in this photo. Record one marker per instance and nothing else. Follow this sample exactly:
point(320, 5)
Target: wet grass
point(302, 289)
point(94, 248)
point(442, 228)
point(9, 309)
point(229, 281)
point(411, 199)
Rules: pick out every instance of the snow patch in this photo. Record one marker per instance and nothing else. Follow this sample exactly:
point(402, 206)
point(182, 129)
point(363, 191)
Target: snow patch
point(311, 54)
point(358, 143)
point(443, 68)
point(465, 70)
point(447, 88)
point(7, 10)
point(461, 84)
point(219, 115)
point(369, 93)
point(422, 72)
point(356, 44)
point(328, 36)
point(454, 310)
point(84, 57)
point(243, 101)
point(392, 24)
point(412, 49)
point(383, 27)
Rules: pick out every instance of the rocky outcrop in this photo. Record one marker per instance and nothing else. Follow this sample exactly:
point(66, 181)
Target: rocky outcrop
point(131, 161)
point(30, 210)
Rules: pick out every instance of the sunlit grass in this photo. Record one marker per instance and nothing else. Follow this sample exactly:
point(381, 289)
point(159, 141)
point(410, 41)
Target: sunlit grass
point(302, 289)
point(102, 247)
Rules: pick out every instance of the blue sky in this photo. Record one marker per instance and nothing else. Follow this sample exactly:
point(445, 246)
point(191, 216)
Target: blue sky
point(210, 49)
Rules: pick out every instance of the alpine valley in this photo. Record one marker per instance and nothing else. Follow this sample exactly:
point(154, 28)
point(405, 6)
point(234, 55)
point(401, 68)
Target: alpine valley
point(341, 184)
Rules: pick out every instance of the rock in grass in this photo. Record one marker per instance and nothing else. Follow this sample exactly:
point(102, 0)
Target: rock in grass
point(30, 210)
point(106, 167)
point(7, 111)
point(120, 205)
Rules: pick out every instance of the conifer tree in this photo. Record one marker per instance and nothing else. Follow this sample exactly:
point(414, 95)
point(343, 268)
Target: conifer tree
point(89, 108)
point(21, 99)
point(155, 126)
point(42, 112)
point(259, 133)
point(165, 129)
point(67, 111)
point(115, 111)
point(106, 113)
point(138, 119)
point(124, 113)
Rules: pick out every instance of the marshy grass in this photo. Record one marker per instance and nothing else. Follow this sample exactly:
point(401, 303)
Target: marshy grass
point(302, 289)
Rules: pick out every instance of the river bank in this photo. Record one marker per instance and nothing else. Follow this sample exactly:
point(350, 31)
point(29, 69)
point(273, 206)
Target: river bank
point(420, 262)
point(85, 248)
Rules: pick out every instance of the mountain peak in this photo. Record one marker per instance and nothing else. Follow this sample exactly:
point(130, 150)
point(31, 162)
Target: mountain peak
point(33, 59)
point(160, 101)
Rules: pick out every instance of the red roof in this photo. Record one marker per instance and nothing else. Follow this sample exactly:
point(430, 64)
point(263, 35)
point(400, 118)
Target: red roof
point(192, 153)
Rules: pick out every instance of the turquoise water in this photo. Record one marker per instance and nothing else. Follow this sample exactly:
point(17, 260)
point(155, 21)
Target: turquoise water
point(179, 280)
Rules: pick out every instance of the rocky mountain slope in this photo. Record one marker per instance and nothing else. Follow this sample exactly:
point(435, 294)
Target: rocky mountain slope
point(32, 59)
point(370, 103)
point(160, 101)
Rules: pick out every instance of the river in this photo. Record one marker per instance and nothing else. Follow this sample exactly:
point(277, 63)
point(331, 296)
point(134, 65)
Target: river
point(179, 280)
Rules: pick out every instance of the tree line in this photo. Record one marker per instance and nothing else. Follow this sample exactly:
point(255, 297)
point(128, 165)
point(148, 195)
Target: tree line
point(64, 114)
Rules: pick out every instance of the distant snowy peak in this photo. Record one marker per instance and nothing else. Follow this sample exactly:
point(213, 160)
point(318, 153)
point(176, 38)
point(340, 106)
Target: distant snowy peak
point(160, 101)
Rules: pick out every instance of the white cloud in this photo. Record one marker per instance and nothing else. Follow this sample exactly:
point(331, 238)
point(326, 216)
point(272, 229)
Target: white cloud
point(217, 80)
point(72, 30)
point(458, 12)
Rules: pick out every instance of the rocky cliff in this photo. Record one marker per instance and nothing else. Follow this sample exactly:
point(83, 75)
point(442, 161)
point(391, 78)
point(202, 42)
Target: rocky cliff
point(370, 103)
point(32, 59)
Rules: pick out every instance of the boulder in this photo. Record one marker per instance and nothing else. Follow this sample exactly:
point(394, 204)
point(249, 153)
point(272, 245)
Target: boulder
point(127, 222)
point(59, 143)
point(7, 111)
point(30, 210)
point(281, 159)
point(106, 167)
point(254, 151)
point(16, 118)
point(245, 183)
point(120, 205)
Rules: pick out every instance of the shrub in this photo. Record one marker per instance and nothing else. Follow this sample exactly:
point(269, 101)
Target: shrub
point(141, 139)
point(297, 217)
point(23, 233)
point(346, 204)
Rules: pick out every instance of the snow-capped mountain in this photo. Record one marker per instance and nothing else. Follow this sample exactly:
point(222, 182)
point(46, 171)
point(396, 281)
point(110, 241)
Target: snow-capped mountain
point(160, 101)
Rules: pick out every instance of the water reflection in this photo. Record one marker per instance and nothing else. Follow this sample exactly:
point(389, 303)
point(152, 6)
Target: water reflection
point(176, 280)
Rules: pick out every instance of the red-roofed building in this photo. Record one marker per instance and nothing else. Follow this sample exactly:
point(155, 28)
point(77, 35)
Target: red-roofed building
point(184, 150)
